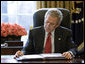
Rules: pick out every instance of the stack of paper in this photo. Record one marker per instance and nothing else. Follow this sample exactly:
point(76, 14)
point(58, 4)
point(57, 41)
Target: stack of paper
point(51, 56)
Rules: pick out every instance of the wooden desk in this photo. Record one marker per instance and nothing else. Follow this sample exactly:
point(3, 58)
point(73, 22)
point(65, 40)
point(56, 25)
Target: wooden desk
point(10, 50)
point(9, 59)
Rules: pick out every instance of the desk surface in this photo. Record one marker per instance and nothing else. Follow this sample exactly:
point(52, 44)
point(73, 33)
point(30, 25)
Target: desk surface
point(9, 59)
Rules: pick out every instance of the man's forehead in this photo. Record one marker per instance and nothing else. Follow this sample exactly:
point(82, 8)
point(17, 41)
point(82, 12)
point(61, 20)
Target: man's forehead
point(52, 18)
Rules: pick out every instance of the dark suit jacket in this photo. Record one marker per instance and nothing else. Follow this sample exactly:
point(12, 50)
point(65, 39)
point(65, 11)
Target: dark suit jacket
point(62, 40)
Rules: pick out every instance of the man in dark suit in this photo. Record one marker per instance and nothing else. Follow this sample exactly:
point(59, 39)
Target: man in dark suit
point(61, 41)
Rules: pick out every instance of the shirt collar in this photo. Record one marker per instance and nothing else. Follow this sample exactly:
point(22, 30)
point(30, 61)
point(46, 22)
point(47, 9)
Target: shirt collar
point(52, 33)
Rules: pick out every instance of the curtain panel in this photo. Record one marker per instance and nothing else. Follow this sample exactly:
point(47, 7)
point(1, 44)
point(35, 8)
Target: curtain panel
point(55, 4)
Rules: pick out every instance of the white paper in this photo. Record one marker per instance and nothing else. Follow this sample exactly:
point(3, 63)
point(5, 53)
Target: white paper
point(52, 55)
point(30, 57)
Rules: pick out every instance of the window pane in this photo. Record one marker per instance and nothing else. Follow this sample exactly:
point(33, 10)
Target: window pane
point(12, 7)
point(12, 18)
point(25, 20)
point(3, 6)
point(26, 7)
point(4, 18)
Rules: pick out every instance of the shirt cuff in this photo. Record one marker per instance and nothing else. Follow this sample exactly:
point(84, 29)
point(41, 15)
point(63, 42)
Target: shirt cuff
point(71, 53)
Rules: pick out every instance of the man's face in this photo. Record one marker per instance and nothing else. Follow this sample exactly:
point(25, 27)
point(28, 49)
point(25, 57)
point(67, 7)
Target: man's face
point(50, 23)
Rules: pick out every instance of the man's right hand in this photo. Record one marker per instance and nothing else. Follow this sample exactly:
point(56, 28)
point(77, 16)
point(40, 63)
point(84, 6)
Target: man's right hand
point(18, 53)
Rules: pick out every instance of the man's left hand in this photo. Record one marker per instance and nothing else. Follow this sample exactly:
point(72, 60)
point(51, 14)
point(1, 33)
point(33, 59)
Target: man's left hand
point(67, 55)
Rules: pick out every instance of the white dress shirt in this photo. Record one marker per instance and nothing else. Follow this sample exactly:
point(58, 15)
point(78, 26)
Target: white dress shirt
point(52, 39)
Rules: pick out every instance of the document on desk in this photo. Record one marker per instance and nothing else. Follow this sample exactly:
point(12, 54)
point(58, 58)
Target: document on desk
point(53, 56)
point(50, 56)
point(30, 57)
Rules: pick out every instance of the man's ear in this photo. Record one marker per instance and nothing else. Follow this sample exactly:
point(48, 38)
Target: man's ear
point(58, 24)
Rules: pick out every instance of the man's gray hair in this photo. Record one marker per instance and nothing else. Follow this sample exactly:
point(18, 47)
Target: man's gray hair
point(54, 12)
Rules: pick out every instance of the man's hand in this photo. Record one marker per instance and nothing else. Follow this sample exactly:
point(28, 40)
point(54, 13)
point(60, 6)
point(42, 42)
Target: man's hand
point(18, 53)
point(67, 55)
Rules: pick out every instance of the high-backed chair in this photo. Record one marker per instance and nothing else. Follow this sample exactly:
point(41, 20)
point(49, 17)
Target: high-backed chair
point(38, 17)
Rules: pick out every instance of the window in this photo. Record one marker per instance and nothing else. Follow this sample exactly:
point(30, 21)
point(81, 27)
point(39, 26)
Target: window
point(20, 12)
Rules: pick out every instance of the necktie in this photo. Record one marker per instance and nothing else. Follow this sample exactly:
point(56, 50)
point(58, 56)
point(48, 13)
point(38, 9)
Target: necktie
point(48, 44)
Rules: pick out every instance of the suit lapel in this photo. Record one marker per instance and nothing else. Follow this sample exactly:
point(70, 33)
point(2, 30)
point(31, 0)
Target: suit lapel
point(57, 39)
point(42, 36)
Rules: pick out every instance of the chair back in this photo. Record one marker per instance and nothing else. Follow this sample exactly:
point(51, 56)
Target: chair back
point(38, 17)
